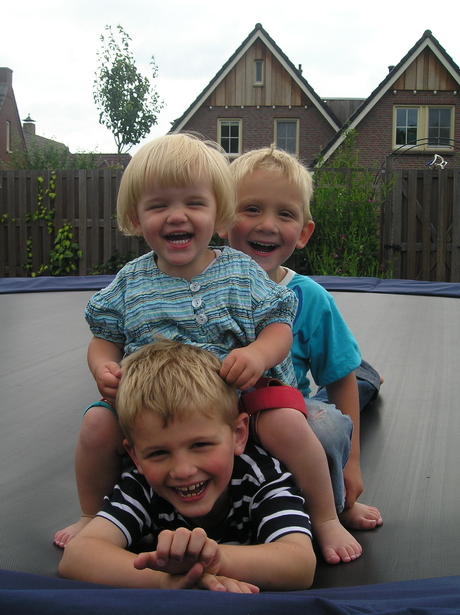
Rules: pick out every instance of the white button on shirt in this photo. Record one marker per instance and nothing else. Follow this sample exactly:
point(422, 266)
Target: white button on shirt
point(201, 319)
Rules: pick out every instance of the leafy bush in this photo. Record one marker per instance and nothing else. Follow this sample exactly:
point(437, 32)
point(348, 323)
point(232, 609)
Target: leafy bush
point(346, 209)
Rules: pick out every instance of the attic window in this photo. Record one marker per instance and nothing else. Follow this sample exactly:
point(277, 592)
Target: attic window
point(258, 72)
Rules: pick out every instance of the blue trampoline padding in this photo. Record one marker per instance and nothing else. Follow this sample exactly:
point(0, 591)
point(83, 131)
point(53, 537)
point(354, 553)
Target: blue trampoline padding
point(24, 594)
point(369, 285)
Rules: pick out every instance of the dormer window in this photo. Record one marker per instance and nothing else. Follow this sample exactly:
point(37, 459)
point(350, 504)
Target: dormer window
point(258, 72)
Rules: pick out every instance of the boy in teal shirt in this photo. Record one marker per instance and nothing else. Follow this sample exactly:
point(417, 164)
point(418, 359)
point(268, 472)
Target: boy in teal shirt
point(274, 193)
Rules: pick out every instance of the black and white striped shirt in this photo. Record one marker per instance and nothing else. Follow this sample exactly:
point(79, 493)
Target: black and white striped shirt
point(265, 505)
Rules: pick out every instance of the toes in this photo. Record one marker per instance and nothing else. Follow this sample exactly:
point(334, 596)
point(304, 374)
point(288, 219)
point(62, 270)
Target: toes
point(61, 539)
point(344, 554)
point(331, 556)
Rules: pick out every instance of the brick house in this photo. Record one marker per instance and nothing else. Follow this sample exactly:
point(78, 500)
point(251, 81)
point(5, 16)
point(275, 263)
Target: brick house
point(413, 114)
point(259, 97)
point(11, 134)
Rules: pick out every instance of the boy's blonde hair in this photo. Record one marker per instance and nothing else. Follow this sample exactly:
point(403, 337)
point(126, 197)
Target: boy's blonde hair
point(173, 380)
point(175, 160)
point(280, 162)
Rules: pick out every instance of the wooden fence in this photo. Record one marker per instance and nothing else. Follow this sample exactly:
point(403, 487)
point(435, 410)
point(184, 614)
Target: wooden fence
point(419, 234)
point(84, 199)
point(420, 230)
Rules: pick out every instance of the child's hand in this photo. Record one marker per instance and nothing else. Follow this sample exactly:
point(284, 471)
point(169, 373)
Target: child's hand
point(107, 379)
point(225, 584)
point(196, 578)
point(243, 367)
point(178, 552)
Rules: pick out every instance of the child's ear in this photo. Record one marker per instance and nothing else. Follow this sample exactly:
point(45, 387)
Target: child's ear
point(222, 232)
point(132, 453)
point(305, 234)
point(136, 225)
point(241, 433)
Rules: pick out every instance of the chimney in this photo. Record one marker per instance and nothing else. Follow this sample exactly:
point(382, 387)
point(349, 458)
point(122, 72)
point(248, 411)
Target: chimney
point(6, 76)
point(29, 125)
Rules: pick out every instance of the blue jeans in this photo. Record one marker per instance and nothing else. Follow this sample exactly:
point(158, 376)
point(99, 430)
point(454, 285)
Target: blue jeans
point(368, 380)
point(333, 429)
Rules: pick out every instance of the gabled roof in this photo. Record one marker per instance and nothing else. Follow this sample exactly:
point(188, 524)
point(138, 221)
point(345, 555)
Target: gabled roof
point(427, 41)
point(295, 74)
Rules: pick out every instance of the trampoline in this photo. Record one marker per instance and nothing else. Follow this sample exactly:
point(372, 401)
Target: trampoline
point(410, 331)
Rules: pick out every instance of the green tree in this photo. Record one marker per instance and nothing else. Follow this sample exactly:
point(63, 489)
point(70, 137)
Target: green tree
point(127, 102)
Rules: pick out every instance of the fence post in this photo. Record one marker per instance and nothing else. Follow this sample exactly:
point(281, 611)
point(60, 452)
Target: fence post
point(386, 215)
point(455, 262)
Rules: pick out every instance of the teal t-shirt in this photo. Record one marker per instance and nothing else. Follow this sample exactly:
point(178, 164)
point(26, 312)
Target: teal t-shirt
point(323, 344)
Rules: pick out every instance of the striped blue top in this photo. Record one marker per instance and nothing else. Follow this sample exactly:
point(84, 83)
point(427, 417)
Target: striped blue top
point(223, 308)
point(265, 504)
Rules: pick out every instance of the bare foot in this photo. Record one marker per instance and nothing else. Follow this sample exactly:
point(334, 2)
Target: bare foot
point(336, 543)
point(62, 537)
point(361, 517)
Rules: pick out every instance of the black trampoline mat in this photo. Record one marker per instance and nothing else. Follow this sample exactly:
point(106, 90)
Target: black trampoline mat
point(410, 436)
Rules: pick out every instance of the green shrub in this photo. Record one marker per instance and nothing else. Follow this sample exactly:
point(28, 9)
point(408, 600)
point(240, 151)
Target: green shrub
point(345, 208)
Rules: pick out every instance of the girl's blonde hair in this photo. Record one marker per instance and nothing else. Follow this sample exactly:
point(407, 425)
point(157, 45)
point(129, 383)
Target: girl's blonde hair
point(173, 380)
point(280, 162)
point(176, 160)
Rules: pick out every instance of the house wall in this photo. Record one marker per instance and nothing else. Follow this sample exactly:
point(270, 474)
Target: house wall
point(258, 126)
point(9, 113)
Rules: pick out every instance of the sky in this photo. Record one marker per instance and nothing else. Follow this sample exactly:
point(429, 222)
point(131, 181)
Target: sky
point(344, 48)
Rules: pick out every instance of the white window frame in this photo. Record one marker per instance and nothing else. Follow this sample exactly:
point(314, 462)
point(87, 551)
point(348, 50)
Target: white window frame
point(423, 127)
point(287, 121)
point(259, 67)
point(235, 122)
point(8, 137)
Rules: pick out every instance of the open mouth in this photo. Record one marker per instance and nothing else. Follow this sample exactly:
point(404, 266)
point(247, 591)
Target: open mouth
point(178, 238)
point(191, 491)
point(264, 248)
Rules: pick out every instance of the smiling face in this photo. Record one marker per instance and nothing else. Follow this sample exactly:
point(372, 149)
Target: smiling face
point(177, 223)
point(189, 462)
point(270, 221)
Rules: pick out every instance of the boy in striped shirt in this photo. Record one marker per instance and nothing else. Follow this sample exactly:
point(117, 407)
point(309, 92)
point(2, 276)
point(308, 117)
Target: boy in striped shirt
point(225, 515)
